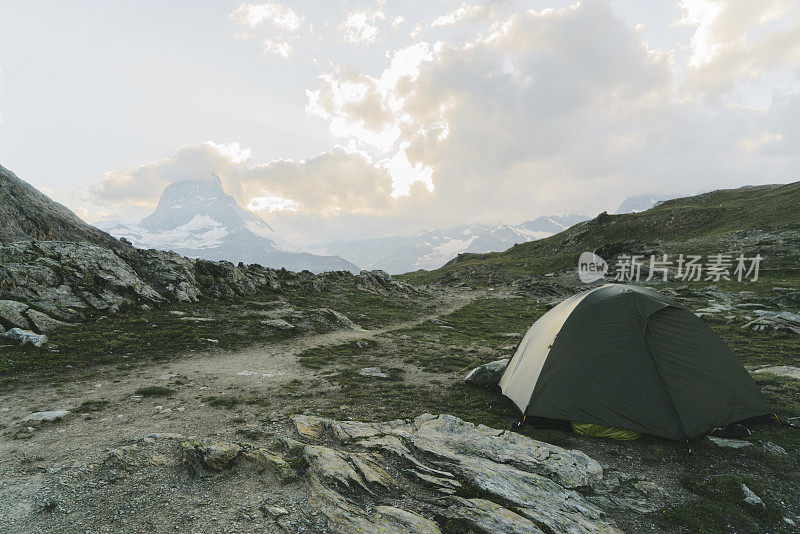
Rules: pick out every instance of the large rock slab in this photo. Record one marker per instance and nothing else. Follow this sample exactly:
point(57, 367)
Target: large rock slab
point(431, 475)
point(38, 418)
point(442, 453)
point(42, 321)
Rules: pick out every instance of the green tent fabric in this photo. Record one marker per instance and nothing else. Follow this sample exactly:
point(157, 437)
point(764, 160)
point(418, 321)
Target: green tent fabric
point(630, 357)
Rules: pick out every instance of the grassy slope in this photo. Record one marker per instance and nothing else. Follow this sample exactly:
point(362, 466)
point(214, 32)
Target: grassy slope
point(702, 223)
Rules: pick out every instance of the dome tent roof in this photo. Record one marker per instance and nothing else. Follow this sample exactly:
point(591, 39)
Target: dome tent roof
point(630, 357)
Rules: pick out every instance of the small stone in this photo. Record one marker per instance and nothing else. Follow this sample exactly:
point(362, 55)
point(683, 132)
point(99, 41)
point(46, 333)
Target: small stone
point(730, 442)
point(26, 336)
point(375, 372)
point(276, 511)
point(773, 448)
point(751, 498)
point(278, 323)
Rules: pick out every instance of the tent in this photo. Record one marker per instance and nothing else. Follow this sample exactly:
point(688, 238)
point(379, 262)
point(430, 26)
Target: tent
point(629, 357)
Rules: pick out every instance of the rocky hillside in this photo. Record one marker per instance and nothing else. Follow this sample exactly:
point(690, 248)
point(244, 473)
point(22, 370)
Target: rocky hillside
point(751, 219)
point(27, 214)
point(54, 268)
point(58, 281)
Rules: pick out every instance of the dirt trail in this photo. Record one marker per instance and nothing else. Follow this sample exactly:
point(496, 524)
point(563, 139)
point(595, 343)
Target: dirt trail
point(268, 361)
point(259, 372)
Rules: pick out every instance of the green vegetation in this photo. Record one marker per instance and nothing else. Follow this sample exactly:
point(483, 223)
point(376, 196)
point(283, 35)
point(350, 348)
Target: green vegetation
point(154, 391)
point(90, 406)
point(357, 352)
point(367, 309)
point(719, 503)
point(229, 323)
point(715, 222)
point(482, 331)
point(232, 402)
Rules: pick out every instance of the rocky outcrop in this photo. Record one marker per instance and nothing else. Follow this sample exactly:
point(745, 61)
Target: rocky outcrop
point(381, 282)
point(524, 485)
point(775, 321)
point(432, 474)
point(44, 282)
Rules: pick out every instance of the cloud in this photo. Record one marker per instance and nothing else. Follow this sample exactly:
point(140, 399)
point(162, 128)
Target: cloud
point(739, 42)
point(333, 182)
point(547, 110)
point(277, 14)
point(464, 11)
point(362, 26)
point(278, 48)
point(537, 112)
point(141, 186)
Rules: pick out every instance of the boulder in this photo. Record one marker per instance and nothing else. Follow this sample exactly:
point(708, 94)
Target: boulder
point(280, 324)
point(488, 374)
point(42, 321)
point(13, 314)
point(38, 418)
point(326, 318)
point(775, 321)
point(26, 336)
point(211, 454)
point(773, 448)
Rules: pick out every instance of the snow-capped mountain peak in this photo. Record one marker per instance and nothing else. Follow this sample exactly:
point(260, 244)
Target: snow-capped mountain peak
point(197, 218)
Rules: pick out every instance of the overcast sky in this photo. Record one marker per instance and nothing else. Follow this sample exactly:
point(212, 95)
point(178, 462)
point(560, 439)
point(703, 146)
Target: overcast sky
point(367, 118)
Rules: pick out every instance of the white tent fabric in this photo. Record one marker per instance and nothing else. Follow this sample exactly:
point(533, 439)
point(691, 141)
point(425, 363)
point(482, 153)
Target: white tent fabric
point(518, 384)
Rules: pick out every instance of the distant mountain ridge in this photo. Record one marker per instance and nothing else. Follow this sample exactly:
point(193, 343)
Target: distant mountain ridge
point(642, 203)
point(434, 248)
point(749, 220)
point(198, 219)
